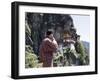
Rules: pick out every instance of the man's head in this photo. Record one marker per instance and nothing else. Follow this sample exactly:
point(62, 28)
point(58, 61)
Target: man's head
point(49, 33)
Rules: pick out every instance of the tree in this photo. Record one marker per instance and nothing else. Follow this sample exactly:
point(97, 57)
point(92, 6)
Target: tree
point(81, 51)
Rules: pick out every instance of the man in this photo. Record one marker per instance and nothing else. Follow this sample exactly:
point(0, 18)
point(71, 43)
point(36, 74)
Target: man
point(47, 49)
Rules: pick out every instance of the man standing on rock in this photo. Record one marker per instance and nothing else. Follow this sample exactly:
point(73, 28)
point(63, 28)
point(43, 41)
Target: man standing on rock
point(47, 49)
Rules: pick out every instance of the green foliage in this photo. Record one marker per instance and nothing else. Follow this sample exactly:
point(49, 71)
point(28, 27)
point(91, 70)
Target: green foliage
point(31, 59)
point(66, 58)
point(79, 48)
point(81, 51)
point(68, 51)
point(57, 59)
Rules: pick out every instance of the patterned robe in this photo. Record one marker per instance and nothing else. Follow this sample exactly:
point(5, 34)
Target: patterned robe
point(47, 48)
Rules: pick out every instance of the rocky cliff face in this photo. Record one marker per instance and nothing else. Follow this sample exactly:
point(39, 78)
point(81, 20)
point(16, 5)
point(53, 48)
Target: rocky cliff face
point(38, 23)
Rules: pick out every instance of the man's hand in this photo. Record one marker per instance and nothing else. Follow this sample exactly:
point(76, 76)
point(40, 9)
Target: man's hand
point(55, 42)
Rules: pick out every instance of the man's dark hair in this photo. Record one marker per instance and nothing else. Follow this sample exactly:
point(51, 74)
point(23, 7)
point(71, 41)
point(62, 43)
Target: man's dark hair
point(49, 32)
